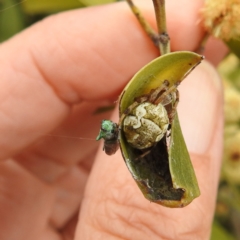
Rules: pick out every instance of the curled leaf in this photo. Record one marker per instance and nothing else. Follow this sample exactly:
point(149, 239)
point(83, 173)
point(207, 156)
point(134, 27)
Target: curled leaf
point(163, 173)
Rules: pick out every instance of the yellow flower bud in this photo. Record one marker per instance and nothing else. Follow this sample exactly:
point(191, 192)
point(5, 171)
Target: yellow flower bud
point(222, 18)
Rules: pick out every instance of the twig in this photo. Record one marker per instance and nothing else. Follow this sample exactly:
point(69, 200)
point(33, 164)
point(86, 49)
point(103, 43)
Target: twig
point(145, 25)
point(164, 40)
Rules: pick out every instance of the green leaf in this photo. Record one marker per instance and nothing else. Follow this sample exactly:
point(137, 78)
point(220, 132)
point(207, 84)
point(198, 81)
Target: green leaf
point(234, 45)
point(165, 175)
point(11, 19)
point(181, 168)
point(46, 6)
point(96, 2)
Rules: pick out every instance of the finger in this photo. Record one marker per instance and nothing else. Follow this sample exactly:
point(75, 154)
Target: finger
point(25, 203)
point(113, 205)
point(69, 189)
point(71, 143)
point(35, 209)
point(61, 61)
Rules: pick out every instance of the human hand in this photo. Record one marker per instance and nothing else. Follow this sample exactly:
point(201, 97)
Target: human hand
point(54, 75)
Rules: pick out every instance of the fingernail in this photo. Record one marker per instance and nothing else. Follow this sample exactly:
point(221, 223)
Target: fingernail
point(200, 107)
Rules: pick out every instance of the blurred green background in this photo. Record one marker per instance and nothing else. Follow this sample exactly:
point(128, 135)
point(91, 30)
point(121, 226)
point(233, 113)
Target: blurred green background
point(17, 15)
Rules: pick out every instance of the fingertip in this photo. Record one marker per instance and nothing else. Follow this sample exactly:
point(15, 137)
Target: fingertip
point(201, 119)
point(200, 107)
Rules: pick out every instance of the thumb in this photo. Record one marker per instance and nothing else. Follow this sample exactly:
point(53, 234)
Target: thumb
point(113, 206)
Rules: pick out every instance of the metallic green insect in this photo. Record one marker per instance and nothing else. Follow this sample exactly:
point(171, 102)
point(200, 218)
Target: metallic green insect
point(109, 132)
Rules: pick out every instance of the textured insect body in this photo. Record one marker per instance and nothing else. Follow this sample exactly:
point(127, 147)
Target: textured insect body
point(146, 125)
point(146, 121)
point(109, 132)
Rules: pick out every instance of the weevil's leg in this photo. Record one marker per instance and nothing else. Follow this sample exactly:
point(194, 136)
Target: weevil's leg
point(127, 111)
point(164, 98)
point(174, 106)
point(142, 99)
point(137, 101)
point(144, 154)
point(145, 25)
point(173, 110)
point(154, 95)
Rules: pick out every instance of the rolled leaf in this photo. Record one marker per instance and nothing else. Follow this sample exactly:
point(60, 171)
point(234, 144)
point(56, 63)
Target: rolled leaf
point(164, 175)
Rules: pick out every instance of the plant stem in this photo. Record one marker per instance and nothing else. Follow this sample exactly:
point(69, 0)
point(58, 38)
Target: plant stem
point(164, 40)
point(201, 48)
point(145, 25)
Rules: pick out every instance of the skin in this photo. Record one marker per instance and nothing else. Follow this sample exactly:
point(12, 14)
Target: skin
point(53, 77)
